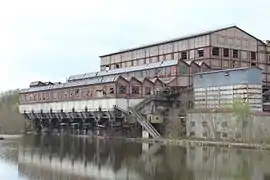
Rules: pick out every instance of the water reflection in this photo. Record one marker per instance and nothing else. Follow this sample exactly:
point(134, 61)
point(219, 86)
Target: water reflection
point(49, 157)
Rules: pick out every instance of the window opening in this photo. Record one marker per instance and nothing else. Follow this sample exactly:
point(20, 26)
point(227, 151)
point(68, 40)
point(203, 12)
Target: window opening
point(215, 51)
point(200, 52)
point(235, 53)
point(135, 90)
point(225, 52)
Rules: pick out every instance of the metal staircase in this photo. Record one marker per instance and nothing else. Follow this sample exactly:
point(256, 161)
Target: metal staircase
point(145, 123)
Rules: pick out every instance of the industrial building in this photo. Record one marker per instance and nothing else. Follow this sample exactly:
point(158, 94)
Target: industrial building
point(136, 82)
point(228, 104)
point(218, 89)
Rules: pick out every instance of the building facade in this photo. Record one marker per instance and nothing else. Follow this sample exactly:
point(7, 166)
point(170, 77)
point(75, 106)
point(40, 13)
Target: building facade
point(128, 77)
point(219, 89)
point(229, 47)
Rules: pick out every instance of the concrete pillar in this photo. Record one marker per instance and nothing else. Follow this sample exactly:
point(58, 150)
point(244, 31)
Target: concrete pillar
point(145, 134)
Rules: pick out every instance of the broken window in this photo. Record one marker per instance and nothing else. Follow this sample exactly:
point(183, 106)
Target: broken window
point(77, 92)
point(215, 51)
point(147, 90)
point(200, 52)
point(117, 66)
point(225, 52)
point(107, 67)
point(135, 90)
point(122, 90)
point(235, 53)
point(71, 93)
point(111, 90)
point(184, 55)
point(253, 55)
point(192, 123)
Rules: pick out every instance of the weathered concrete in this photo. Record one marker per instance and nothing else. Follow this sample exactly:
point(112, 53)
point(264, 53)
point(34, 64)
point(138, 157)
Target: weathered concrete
point(253, 127)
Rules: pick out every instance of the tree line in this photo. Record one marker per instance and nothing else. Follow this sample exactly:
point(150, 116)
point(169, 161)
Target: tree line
point(10, 119)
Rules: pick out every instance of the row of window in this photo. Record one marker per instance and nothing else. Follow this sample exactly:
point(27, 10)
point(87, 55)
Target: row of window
point(86, 93)
point(160, 72)
point(205, 134)
point(224, 124)
point(184, 55)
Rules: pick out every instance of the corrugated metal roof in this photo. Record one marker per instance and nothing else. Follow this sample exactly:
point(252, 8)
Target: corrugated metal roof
point(97, 80)
point(124, 70)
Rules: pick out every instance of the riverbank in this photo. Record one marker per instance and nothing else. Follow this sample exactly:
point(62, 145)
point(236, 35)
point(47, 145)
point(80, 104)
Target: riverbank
point(190, 142)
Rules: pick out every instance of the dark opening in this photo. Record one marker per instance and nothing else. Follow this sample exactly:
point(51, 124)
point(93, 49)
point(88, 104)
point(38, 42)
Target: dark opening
point(215, 51)
point(135, 90)
point(201, 52)
point(253, 64)
point(122, 90)
point(225, 52)
point(111, 90)
point(184, 55)
point(235, 53)
point(253, 55)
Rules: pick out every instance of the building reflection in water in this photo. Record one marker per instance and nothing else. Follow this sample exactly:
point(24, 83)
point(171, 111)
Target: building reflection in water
point(53, 157)
point(85, 158)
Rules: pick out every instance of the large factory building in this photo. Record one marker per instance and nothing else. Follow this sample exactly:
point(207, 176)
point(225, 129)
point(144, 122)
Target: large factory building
point(131, 82)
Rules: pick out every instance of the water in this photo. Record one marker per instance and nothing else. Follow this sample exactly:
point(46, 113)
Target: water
point(54, 157)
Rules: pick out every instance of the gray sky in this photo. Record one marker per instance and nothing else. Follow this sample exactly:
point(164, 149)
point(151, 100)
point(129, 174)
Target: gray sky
point(52, 39)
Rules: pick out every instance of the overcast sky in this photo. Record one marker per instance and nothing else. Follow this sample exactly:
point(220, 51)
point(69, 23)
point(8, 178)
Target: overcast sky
point(52, 39)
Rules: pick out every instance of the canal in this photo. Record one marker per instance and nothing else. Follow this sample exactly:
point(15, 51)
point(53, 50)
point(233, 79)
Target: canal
point(56, 157)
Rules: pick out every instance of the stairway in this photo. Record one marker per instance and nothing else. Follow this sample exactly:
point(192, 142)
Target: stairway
point(145, 124)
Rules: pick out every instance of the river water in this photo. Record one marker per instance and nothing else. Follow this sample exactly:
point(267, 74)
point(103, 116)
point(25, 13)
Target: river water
point(56, 157)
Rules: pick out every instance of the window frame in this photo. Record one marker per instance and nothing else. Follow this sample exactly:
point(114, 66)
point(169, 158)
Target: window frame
point(215, 51)
point(200, 52)
point(122, 89)
point(184, 54)
point(253, 55)
point(235, 53)
point(135, 91)
point(227, 50)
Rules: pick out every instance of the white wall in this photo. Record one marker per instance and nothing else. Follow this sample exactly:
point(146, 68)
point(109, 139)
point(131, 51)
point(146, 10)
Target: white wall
point(79, 106)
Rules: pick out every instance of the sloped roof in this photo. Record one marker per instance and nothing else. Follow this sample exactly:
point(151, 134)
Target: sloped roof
point(181, 38)
point(97, 80)
point(124, 70)
point(189, 62)
point(145, 79)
